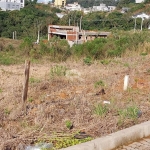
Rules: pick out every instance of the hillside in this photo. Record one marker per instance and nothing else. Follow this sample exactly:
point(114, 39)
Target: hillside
point(77, 97)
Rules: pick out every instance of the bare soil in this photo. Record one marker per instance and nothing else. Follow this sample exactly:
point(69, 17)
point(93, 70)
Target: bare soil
point(52, 101)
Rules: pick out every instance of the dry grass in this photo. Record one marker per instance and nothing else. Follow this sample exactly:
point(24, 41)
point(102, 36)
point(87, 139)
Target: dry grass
point(52, 101)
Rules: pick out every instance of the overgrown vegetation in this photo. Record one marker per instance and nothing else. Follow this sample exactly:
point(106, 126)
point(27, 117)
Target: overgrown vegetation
point(26, 22)
point(131, 112)
point(100, 109)
point(35, 17)
point(57, 50)
point(58, 71)
point(66, 142)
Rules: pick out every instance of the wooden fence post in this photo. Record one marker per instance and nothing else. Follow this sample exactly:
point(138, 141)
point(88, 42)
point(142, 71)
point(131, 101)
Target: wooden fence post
point(25, 86)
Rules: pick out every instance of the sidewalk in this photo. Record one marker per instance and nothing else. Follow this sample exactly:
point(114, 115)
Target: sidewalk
point(139, 145)
point(114, 140)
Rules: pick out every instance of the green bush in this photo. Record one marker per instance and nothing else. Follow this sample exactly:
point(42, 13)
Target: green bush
point(68, 124)
point(58, 71)
point(10, 48)
point(87, 61)
point(59, 49)
point(99, 83)
point(6, 60)
point(130, 112)
point(66, 142)
point(100, 109)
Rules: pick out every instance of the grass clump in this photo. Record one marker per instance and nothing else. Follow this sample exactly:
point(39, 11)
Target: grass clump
point(7, 111)
point(100, 110)
point(30, 100)
point(68, 124)
point(99, 83)
point(6, 60)
point(67, 141)
point(87, 61)
point(105, 61)
point(130, 112)
point(34, 80)
point(58, 71)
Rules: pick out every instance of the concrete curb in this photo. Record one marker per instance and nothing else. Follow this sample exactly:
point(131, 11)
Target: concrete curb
point(116, 139)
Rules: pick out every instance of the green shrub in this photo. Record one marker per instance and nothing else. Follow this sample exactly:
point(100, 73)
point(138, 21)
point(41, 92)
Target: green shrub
point(44, 49)
point(35, 53)
point(7, 111)
point(105, 61)
point(128, 113)
point(87, 61)
point(10, 48)
point(34, 80)
point(26, 45)
point(66, 142)
point(68, 124)
point(59, 49)
point(30, 99)
point(99, 83)
point(58, 71)
point(100, 109)
point(6, 60)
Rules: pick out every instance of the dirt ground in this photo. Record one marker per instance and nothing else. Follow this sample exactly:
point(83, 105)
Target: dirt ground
point(53, 100)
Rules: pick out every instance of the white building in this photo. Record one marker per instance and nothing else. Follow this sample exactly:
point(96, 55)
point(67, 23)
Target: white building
point(103, 7)
point(111, 8)
point(87, 10)
point(139, 1)
point(73, 7)
point(11, 4)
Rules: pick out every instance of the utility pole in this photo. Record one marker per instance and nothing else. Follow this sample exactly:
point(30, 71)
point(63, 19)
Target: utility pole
point(142, 23)
point(38, 39)
point(80, 22)
point(69, 21)
point(13, 35)
point(135, 25)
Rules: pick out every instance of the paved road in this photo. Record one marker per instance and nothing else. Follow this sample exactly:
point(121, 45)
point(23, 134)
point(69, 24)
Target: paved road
point(143, 144)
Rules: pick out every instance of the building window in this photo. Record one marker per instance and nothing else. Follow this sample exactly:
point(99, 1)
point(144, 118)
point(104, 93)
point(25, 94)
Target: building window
point(63, 3)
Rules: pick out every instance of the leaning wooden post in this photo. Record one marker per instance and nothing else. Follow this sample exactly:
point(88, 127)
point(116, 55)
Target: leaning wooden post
point(25, 86)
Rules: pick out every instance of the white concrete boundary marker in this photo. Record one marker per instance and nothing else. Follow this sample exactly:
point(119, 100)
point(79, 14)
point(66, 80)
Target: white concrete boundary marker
point(116, 139)
point(126, 82)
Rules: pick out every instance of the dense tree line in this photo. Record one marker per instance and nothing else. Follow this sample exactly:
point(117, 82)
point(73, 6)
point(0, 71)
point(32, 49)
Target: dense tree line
point(90, 3)
point(26, 22)
point(34, 17)
point(103, 21)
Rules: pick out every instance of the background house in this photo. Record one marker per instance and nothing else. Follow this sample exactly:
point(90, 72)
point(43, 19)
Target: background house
point(11, 4)
point(73, 7)
point(139, 1)
point(60, 3)
point(103, 7)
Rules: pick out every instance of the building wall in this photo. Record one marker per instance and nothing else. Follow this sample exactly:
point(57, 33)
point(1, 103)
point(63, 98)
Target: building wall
point(60, 3)
point(69, 32)
point(73, 7)
point(72, 36)
point(139, 1)
point(9, 6)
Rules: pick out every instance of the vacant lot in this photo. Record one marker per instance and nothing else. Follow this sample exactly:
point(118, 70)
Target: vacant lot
point(67, 98)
